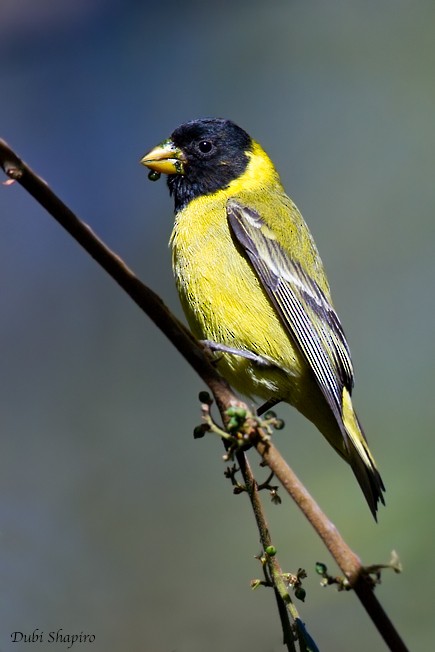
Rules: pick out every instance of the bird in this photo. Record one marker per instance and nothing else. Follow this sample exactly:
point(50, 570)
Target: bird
point(253, 287)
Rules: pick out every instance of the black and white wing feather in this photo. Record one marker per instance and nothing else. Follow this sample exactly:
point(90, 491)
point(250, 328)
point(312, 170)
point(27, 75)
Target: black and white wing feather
point(304, 309)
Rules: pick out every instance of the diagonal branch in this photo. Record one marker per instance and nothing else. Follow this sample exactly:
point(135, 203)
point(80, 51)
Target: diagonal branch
point(197, 357)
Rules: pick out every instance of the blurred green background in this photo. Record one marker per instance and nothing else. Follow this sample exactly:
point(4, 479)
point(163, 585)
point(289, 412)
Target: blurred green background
point(113, 520)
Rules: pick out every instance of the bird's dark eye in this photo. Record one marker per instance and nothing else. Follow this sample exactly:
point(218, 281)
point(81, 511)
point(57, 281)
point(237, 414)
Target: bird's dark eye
point(205, 146)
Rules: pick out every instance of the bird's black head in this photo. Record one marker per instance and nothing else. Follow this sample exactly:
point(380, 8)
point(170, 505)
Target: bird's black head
point(206, 155)
point(215, 154)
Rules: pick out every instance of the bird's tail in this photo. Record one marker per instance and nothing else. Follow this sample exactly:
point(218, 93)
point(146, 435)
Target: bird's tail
point(360, 457)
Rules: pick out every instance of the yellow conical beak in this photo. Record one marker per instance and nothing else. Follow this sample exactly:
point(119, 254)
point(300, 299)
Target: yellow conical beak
point(166, 158)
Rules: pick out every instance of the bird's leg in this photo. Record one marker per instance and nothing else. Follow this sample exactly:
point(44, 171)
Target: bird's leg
point(259, 360)
point(249, 355)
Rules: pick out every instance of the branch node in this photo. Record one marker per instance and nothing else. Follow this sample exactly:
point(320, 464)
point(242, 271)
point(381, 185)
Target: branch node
point(294, 581)
point(12, 170)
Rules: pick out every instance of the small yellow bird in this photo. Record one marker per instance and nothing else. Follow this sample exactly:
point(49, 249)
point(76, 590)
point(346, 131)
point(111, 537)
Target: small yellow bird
point(253, 287)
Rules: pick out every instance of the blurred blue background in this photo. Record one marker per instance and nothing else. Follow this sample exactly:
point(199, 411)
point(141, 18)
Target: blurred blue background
point(113, 520)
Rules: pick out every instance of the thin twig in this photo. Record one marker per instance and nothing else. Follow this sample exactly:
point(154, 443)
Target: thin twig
point(275, 570)
point(197, 357)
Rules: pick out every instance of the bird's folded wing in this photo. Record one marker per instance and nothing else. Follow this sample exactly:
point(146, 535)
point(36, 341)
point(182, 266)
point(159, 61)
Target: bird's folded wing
point(305, 311)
